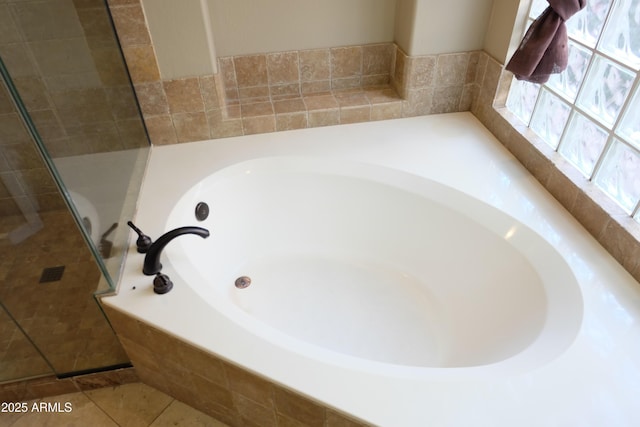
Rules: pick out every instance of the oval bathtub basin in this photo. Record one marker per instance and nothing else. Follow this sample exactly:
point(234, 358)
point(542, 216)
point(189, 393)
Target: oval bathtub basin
point(374, 263)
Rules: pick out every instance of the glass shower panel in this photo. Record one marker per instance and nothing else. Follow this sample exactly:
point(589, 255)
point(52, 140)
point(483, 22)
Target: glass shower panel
point(19, 358)
point(48, 275)
point(66, 64)
point(73, 148)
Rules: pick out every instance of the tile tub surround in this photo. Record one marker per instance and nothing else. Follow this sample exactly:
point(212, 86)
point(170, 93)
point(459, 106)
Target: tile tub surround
point(433, 84)
point(209, 329)
point(214, 386)
point(261, 77)
point(292, 90)
point(210, 106)
point(308, 88)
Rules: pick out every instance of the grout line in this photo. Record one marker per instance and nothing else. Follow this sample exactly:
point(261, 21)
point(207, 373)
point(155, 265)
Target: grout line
point(163, 411)
point(94, 403)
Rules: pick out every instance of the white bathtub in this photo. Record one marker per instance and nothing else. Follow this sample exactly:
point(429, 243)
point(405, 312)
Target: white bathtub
point(407, 272)
point(375, 263)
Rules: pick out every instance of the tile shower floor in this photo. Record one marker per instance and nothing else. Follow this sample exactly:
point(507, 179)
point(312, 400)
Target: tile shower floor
point(49, 312)
point(128, 405)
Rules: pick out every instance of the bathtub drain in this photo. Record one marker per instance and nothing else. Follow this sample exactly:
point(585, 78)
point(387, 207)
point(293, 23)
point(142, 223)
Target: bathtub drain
point(243, 282)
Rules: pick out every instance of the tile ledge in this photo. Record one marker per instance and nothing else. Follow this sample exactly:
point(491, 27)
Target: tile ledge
point(616, 219)
point(340, 100)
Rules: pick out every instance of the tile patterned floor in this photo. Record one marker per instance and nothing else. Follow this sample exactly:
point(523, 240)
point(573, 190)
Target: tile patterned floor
point(48, 313)
point(128, 405)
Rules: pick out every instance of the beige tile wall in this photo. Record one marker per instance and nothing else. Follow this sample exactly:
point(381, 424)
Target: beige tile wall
point(308, 88)
point(273, 76)
point(289, 90)
point(432, 84)
point(67, 68)
point(25, 181)
point(220, 389)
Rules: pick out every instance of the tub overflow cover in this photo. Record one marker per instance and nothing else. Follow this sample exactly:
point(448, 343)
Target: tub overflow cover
point(202, 211)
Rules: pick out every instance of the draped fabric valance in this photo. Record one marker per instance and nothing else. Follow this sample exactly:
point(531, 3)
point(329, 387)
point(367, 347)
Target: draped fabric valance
point(544, 49)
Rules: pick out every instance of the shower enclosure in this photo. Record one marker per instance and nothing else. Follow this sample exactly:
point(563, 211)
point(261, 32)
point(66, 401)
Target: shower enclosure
point(72, 153)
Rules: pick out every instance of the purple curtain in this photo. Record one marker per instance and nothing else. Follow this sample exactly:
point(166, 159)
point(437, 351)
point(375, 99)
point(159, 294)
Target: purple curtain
point(544, 49)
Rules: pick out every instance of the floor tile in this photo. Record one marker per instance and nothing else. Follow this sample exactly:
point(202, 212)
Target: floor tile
point(179, 414)
point(128, 405)
point(131, 405)
point(7, 419)
point(82, 412)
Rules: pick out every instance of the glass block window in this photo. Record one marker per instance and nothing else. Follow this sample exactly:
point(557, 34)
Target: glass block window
point(590, 113)
point(549, 117)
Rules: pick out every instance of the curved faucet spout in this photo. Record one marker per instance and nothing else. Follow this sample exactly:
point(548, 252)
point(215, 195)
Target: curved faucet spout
point(152, 258)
